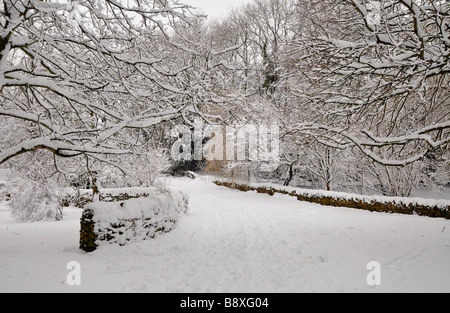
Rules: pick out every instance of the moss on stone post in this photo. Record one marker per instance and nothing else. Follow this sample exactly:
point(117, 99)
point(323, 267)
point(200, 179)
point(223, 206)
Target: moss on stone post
point(88, 237)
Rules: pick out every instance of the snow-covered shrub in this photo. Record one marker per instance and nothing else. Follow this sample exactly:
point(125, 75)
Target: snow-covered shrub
point(137, 170)
point(70, 197)
point(397, 181)
point(3, 180)
point(3, 194)
point(146, 169)
point(32, 185)
point(33, 201)
point(131, 220)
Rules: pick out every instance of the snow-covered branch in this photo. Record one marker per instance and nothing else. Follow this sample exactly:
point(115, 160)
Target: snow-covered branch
point(366, 141)
point(55, 146)
point(89, 73)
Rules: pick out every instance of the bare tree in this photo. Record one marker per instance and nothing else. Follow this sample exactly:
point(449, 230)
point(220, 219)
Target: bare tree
point(378, 72)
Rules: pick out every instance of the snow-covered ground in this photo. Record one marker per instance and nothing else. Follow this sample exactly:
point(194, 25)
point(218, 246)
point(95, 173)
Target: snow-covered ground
point(232, 241)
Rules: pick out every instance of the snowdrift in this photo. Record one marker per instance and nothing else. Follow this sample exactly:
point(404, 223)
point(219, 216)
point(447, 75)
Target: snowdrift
point(131, 220)
point(401, 205)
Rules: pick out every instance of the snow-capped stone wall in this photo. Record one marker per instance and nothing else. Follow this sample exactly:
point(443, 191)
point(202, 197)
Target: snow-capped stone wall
point(81, 197)
point(400, 205)
point(131, 220)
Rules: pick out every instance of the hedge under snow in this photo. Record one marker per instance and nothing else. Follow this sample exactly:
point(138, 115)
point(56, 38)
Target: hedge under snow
point(401, 205)
point(131, 220)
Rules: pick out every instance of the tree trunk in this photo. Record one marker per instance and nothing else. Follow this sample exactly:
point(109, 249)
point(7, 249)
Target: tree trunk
point(290, 175)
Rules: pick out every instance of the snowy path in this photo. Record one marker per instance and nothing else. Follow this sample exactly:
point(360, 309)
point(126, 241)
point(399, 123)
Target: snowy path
point(237, 242)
